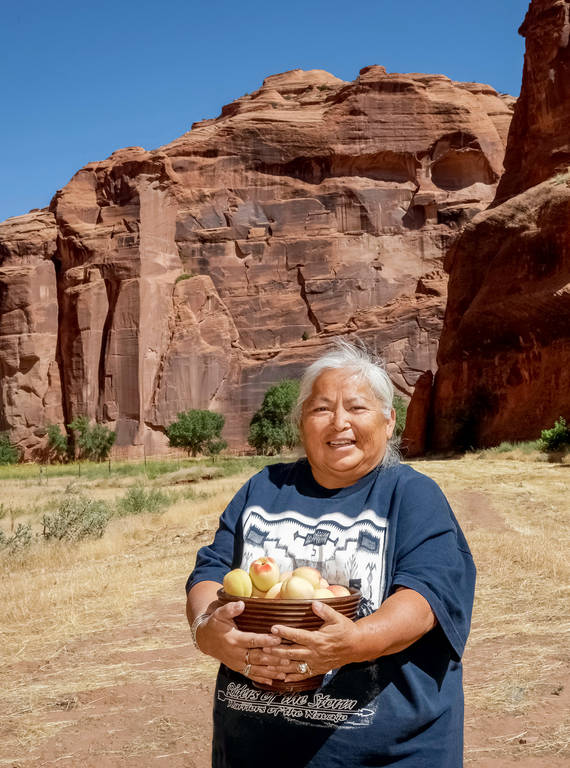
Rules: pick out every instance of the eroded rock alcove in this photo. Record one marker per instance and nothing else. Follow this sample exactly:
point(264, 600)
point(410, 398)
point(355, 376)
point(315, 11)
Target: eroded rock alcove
point(200, 273)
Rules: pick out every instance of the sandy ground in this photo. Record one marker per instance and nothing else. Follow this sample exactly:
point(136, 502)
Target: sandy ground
point(139, 695)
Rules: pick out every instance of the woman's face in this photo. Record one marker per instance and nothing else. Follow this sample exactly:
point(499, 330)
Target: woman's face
point(343, 428)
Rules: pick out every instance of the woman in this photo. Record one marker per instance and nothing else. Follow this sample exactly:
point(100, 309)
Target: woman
point(392, 694)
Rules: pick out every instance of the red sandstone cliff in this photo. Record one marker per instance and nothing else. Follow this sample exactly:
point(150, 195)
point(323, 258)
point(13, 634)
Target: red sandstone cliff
point(504, 354)
point(198, 274)
point(539, 136)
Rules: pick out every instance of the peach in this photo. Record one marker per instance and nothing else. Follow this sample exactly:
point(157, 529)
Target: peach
point(264, 573)
point(296, 587)
point(309, 574)
point(255, 592)
point(338, 590)
point(322, 592)
point(274, 592)
point(323, 583)
point(238, 583)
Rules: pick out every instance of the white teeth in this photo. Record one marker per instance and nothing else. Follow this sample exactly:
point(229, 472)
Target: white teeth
point(340, 442)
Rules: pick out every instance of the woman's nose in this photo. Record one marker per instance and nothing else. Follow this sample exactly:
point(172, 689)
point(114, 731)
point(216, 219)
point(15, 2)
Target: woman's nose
point(340, 418)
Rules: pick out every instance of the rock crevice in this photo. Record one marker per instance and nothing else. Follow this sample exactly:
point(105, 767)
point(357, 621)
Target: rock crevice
point(308, 208)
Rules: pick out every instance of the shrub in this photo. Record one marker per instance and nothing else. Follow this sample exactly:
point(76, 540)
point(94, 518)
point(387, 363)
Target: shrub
point(137, 500)
point(215, 447)
point(94, 442)
point(507, 446)
point(555, 439)
point(197, 432)
point(19, 541)
point(183, 276)
point(57, 442)
point(270, 429)
point(561, 178)
point(77, 518)
point(8, 452)
point(401, 408)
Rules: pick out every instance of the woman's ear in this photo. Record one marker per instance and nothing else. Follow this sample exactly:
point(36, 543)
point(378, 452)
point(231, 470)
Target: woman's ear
point(391, 424)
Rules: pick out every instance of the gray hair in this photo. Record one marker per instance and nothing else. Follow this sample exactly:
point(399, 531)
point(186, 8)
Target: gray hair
point(343, 355)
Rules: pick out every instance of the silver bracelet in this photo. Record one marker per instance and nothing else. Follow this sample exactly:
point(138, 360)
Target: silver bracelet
point(198, 621)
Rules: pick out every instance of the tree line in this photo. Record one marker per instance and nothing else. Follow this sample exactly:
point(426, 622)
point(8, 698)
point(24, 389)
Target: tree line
point(200, 431)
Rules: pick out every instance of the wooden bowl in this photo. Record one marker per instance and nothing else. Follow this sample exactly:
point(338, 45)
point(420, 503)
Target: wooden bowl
point(259, 615)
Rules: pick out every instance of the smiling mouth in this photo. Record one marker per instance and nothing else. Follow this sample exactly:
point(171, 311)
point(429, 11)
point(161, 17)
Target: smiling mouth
point(340, 443)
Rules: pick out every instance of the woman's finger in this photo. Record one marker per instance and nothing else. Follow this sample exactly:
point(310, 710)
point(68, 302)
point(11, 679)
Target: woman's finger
point(327, 612)
point(264, 657)
point(251, 640)
point(293, 634)
point(282, 653)
point(229, 611)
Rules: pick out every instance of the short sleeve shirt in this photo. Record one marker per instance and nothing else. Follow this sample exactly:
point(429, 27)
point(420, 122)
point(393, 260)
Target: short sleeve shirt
point(392, 528)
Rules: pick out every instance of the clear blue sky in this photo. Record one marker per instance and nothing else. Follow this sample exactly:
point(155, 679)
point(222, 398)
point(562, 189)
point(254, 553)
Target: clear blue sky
point(81, 79)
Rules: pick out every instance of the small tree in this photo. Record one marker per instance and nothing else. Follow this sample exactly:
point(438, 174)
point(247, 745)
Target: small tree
point(57, 442)
point(555, 439)
point(8, 452)
point(98, 442)
point(399, 405)
point(94, 442)
point(197, 432)
point(270, 428)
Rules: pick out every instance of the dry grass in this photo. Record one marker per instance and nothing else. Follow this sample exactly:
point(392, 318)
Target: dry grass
point(521, 620)
point(54, 592)
point(61, 600)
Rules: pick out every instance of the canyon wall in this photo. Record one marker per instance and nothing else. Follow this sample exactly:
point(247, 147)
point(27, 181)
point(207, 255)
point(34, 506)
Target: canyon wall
point(198, 274)
point(504, 354)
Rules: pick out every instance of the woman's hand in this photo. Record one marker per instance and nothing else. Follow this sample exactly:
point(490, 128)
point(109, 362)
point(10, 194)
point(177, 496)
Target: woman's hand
point(401, 620)
point(219, 637)
point(332, 645)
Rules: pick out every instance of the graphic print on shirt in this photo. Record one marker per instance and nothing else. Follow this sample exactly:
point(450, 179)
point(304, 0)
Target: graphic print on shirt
point(308, 708)
point(346, 550)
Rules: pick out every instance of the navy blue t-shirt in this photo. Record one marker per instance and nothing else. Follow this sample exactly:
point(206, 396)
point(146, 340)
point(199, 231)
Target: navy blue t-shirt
point(392, 528)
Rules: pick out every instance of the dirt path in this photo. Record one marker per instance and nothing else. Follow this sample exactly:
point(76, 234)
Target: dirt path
point(139, 695)
point(150, 698)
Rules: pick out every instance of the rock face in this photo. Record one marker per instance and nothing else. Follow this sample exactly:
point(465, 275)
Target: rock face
point(199, 274)
point(539, 139)
point(504, 354)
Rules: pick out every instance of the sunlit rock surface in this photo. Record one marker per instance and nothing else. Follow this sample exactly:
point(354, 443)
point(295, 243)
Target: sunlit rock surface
point(504, 354)
point(198, 274)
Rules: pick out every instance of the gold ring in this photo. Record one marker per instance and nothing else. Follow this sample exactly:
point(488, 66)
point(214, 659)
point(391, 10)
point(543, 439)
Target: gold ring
point(247, 658)
point(303, 668)
point(246, 670)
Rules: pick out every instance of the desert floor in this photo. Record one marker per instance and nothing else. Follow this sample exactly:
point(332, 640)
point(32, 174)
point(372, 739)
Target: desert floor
point(98, 668)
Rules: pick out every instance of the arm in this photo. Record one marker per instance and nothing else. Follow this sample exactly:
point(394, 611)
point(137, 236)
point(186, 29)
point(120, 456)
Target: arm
point(219, 637)
point(401, 620)
point(435, 576)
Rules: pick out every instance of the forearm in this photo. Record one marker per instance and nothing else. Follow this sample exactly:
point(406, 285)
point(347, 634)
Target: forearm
point(401, 620)
point(218, 636)
point(201, 599)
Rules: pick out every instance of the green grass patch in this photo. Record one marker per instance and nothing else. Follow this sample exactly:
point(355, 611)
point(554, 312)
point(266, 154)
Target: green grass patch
point(139, 500)
point(91, 470)
point(528, 446)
